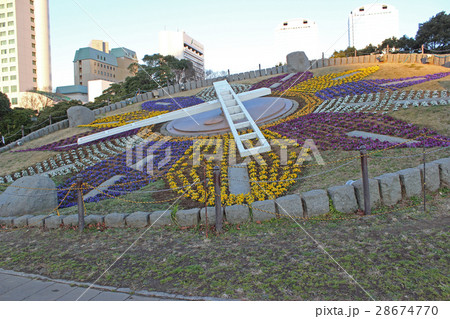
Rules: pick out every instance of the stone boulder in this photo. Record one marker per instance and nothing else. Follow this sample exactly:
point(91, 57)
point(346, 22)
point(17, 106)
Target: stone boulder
point(80, 115)
point(297, 62)
point(29, 195)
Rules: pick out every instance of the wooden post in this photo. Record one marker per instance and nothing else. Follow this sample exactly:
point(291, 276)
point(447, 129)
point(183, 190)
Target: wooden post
point(80, 203)
point(260, 68)
point(424, 180)
point(365, 180)
point(355, 53)
point(218, 200)
point(23, 132)
point(422, 48)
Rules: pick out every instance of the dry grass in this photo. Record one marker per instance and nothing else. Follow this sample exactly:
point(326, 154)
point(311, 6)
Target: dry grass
point(436, 118)
point(11, 162)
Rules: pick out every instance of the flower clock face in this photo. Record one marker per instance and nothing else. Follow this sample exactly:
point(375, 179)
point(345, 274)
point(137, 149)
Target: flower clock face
point(330, 106)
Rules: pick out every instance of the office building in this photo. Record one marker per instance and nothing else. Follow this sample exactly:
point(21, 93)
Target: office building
point(182, 46)
point(97, 62)
point(24, 50)
point(371, 24)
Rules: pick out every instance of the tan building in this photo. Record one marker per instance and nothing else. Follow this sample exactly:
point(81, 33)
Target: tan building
point(24, 49)
point(182, 46)
point(97, 62)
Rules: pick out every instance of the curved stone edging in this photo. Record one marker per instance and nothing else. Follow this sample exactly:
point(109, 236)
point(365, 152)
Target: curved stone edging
point(387, 189)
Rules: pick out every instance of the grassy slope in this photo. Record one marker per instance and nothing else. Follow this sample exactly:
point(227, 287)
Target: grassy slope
point(400, 256)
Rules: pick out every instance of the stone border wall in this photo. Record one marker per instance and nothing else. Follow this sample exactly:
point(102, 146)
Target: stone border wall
point(388, 58)
point(387, 190)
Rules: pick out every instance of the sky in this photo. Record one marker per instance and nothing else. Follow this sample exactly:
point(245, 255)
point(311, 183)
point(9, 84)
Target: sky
point(237, 35)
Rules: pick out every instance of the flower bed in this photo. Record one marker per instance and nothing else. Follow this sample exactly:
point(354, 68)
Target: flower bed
point(319, 83)
point(121, 165)
point(328, 130)
point(294, 80)
point(209, 93)
point(384, 102)
point(374, 86)
point(123, 119)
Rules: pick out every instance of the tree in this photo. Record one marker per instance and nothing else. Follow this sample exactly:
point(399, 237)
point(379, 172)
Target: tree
point(5, 105)
point(435, 33)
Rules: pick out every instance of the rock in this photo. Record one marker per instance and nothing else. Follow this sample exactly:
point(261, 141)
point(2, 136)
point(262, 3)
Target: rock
point(53, 222)
point(297, 62)
point(189, 217)
point(92, 219)
point(115, 220)
point(237, 214)
point(444, 169)
point(290, 205)
point(411, 182)
point(211, 215)
point(160, 219)
point(29, 195)
point(390, 188)
point(6, 221)
point(22, 221)
point(263, 210)
point(37, 221)
point(71, 220)
point(80, 115)
point(343, 198)
point(138, 219)
point(432, 180)
point(316, 202)
point(374, 191)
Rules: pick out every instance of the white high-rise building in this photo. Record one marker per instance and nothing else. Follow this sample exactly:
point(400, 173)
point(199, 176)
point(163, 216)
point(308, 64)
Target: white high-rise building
point(371, 24)
point(24, 49)
point(297, 35)
point(182, 46)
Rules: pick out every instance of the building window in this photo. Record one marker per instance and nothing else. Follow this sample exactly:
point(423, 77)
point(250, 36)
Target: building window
point(2, 15)
point(14, 101)
point(34, 71)
point(12, 68)
point(5, 78)
point(10, 14)
point(6, 89)
point(13, 88)
point(4, 60)
point(9, 5)
point(34, 80)
point(33, 53)
point(31, 2)
point(11, 32)
point(2, 25)
point(13, 59)
point(2, 34)
point(2, 6)
point(33, 45)
point(12, 50)
point(12, 41)
point(3, 51)
point(33, 36)
point(34, 62)
point(32, 20)
point(13, 77)
point(31, 11)
point(5, 69)
point(3, 42)
point(10, 23)
point(32, 28)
